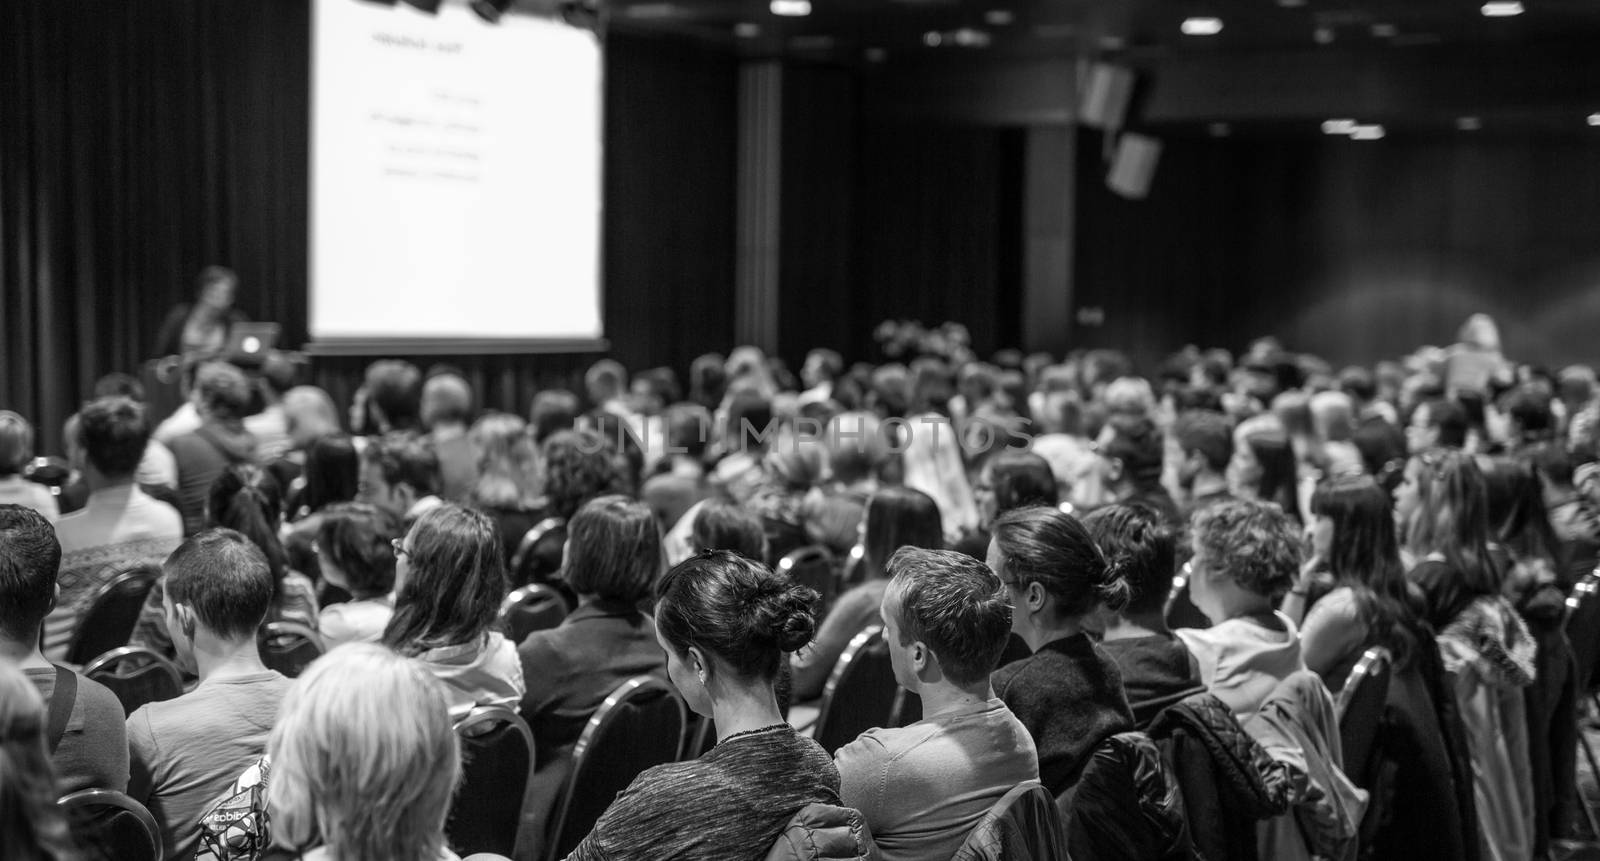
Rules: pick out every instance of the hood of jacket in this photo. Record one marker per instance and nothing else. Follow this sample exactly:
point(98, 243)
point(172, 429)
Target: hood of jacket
point(235, 443)
point(1242, 662)
point(1489, 638)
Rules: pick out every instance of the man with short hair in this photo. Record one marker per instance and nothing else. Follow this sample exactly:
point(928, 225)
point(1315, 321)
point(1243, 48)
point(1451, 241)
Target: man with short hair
point(924, 787)
point(222, 395)
point(400, 474)
point(1205, 443)
point(120, 526)
point(389, 400)
point(821, 368)
point(84, 723)
point(1438, 423)
point(1131, 454)
point(446, 410)
point(186, 752)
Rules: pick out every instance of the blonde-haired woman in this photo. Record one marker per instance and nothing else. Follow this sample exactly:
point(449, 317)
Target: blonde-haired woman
point(354, 776)
point(31, 826)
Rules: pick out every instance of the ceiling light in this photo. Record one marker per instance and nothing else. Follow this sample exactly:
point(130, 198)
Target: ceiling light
point(1385, 31)
point(791, 8)
point(1594, 119)
point(1201, 26)
point(490, 10)
point(932, 38)
point(1367, 133)
point(1338, 127)
point(1469, 124)
point(746, 30)
point(998, 17)
point(1219, 130)
point(1322, 35)
point(1291, 4)
point(1502, 8)
point(967, 37)
point(875, 55)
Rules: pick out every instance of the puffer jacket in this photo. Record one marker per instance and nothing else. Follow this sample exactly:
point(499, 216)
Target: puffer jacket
point(1127, 805)
point(1490, 657)
point(1022, 826)
point(825, 832)
point(1228, 782)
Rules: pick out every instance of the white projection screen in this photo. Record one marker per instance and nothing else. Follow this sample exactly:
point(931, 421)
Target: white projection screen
point(455, 181)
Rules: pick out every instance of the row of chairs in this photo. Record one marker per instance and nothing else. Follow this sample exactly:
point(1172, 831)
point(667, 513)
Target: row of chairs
point(137, 675)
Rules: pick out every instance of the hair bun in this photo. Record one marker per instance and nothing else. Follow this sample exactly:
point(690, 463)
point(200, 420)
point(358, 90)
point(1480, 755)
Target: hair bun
point(785, 616)
point(1114, 591)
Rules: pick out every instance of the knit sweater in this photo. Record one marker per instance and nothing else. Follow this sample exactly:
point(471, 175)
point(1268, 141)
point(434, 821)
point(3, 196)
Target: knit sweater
point(1069, 695)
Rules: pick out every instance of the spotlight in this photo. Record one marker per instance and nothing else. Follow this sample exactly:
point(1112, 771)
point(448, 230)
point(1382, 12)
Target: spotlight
point(429, 6)
point(1201, 26)
point(790, 8)
point(491, 10)
point(1338, 127)
point(1502, 8)
point(1367, 133)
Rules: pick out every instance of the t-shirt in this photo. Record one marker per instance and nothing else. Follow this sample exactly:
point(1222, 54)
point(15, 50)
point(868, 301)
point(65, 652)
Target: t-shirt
point(93, 753)
point(729, 805)
point(360, 621)
point(16, 490)
point(924, 787)
point(186, 752)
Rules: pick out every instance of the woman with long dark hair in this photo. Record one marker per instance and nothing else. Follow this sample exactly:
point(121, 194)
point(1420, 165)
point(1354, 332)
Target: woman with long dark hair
point(1263, 466)
point(1008, 480)
point(450, 580)
point(896, 517)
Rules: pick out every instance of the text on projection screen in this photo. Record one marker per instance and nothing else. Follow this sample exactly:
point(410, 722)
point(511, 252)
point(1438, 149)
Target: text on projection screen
point(455, 175)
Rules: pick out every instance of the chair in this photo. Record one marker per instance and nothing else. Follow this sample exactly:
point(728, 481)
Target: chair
point(1583, 631)
point(136, 675)
point(1360, 709)
point(289, 647)
point(783, 538)
point(496, 773)
point(1024, 825)
point(853, 571)
point(860, 693)
point(907, 708)
point(534, 607)
point(112, 610)
point(540, 552)
point(109, 825)
point(639, 726)
point(1181, 611)
point(699, 740)
point(812, 566)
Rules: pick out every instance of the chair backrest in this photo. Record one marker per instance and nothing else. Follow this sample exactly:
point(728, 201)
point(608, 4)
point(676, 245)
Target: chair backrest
point(289, 647)
point(812, 566)
point(107, 824)
point(860, 693)
point(1583, 626)
point(639, 726)
point(1024, 825)
point(853, 570)
point(136, 675)
point(111, 612)
point(1360, 709)
point(534, 607)
point(538, 553)
point(1181, 611)
point(700, 738)
point(497, 758)
point(907, 708)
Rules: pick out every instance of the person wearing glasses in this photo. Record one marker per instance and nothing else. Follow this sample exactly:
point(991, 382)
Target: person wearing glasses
point(354, 548)
point(450, 579)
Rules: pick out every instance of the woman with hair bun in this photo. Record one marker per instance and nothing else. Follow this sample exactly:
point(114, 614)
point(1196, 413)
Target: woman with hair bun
point(1068, 693)
point(725, 623)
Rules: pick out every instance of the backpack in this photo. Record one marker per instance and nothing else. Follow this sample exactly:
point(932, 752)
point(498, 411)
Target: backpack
point(235, 828)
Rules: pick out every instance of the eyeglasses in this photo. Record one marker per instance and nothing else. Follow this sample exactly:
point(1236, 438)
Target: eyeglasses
point(399, 548)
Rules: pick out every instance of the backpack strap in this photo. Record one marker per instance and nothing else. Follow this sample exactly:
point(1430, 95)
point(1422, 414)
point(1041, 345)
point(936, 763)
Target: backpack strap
point(62, 699)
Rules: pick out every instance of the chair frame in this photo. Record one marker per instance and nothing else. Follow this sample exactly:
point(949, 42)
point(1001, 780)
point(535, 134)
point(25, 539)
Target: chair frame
point(524, 594)
point(598, 722)
point(121, 801)
point(858, 643)
point(494, 716)
point(1370, 662)
point(120, 652)
point(149, 570)
point(808, 554)
point(531, 539)
point(1586, 589)
point(293, 629)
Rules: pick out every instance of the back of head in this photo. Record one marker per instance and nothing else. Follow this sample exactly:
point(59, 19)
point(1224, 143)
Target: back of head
point(577, 466)
point(723, 525)
point(1383, 451)
point(223, 390)
point(1364, 548)
point(605, 380)
point(734, 609)
point(114, 434)
point(1130, 396)
point(553, 410)
point(224, 579)
point(707, 379)
point(1255, 543)
point(1136, 441)
point(1333, 416)
point(1452, 517)
point(16, 443)
point(352, 772)
point(855, 446)
point(394, 387)
point(332, 471)
point(1209, 433)
point(1515, 509)
point(613, 549)
point(1050, 547)
point(30, 556)
point(248, 500)
point(1552, 462)
point(1293, 409)
point(356, 538)
point(955, 605)
point(118, 384)
point(749, 422)
point(1359, 383)
point(1531, 413)
point(687, 428)
point(1139, 549)
point(405, 458)
point(507, 471)
point(454, 582)
point(446, 400)
point(310, 414)
point(1274, 452)
point(1451, 420)
point(900, 517)
point(1020, 479)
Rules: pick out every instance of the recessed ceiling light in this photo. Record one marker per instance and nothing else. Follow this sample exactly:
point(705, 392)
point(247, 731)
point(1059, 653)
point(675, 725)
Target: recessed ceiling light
point(1338, 127)
point(875, 55)
point(1291, 4)
point(1385, 31)
point(933, 38)
point(1219, 130)
point(998, 17)
point(1502, 8)
point(1469, 124)
point(1594, 119)
point(967, 37)
point(1367, 133)
point(1204, 26)
point(746, 30)
point(791, 8)
point(1322, 35)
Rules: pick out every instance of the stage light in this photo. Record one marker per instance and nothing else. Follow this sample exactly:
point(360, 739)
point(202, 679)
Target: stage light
point(1201, 26)
point(1502, 8)
point(1469, 124)
point(1338, 127)
point(429, 6)
point(1367, 133)
point(491, 10)
point(1594, 119)
point(791, 8)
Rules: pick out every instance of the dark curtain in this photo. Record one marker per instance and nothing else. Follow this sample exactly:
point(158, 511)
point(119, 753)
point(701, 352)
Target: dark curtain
point(140, 141)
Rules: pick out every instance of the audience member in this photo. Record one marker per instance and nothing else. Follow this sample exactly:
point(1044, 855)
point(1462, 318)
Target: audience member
point(721, 525)
point(1068, 693)
point(222, 396)
point(399, 474)
point(389, 401)
point(822, 367)
point(553, 410)
point(1263, 465)
point(1157, 669)
point(896, 517)
point(725, 623)
point(1436, 424)
point(355, 549)
point(158, 467)
point(1007, 481)
point(1131, 455)
point(1246, 556)
point(119, 526)
point(1204, 443)
point(87, 739)
point(16, 451)
point(924, 787)
point(270, 424)
point(349, 778)
point(185, 752)
point(32, 827)
point(450, 580)
point(834, 509)
point(446, 408)
point(507, 484)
